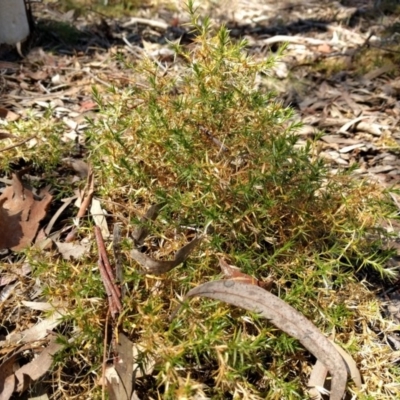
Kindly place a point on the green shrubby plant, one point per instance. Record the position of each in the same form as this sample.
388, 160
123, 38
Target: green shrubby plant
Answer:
221, 154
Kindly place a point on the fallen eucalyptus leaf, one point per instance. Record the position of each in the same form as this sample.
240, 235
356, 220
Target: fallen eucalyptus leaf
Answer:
319, 373
35, 369
120, 382
140, 233
255, 299
351, 365
317, 380
36, 332
161, 267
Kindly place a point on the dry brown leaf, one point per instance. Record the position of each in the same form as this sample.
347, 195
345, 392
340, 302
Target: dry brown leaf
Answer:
161, 267
39, 75
16, 272
36, 332
35, 369
317, 380
232, 272
324, 48
12, 116
20, 214
78, 165
351, 365
99, 218
7, 377
3, 113
5, 135
140, 233
286, 318
120, 386
7, 387
72, 249
349, 124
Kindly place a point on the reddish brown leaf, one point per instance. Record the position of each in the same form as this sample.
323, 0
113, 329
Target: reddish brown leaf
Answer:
7, 377
20, 214
3, 113
88, 105
232, 272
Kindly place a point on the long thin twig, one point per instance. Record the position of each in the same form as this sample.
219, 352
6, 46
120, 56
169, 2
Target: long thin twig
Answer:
104, 258
113, 292
84, 204
104, 357
17, 144
119, 274
108, 287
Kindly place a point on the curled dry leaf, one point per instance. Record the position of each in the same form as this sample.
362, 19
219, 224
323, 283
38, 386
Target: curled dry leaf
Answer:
155, 266
161, 267
350, 364
232, 272
255, 299
20, 213
319, 373
140, 233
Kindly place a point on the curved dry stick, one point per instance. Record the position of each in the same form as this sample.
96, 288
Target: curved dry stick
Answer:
286, 318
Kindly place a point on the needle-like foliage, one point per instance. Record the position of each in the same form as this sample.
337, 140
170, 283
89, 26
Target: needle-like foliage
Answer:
202, 138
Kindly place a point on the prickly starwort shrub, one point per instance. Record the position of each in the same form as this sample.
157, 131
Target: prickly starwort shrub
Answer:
221, 155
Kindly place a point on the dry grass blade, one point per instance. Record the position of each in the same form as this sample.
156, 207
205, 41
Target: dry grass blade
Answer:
286, 318
161, 267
